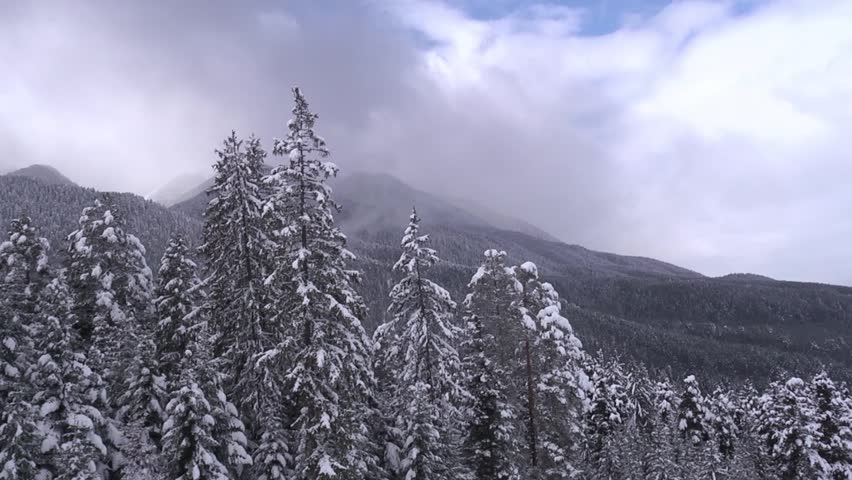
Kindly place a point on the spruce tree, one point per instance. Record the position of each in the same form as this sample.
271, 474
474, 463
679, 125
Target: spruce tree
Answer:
420, 364
23, 274
330, 382
111, 286
179, 301
79, 439
491, 442
784, 425
552, 358
202, 432
608, 408
238, 251
832, 414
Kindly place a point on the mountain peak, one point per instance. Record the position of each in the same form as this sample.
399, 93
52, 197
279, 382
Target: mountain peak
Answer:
43, 173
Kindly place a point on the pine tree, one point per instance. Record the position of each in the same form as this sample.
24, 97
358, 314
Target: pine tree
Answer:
552, 358
79, 440
179, 300
23, 274
331, 383
238, 250
785, 428
420, 364
202, 431
111, 285
833, 433
491, 443
608, 409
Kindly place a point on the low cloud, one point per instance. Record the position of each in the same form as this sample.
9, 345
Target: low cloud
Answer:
708, 134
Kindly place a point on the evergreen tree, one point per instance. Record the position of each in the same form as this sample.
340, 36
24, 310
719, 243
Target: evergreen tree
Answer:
491, 443
331, 382
420, 364
111, 286
608, 408
238, 250
202, 432
784, 426
23, 273
552, 357
833, 433
79, 440
179, 299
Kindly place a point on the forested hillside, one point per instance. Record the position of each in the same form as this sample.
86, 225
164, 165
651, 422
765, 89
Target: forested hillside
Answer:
280, 354
57, 208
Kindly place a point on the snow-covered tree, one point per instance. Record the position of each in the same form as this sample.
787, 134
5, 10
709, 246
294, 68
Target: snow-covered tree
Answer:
238, 251
832, 415
112, 287
491, 442
330, 382
179, 300
23, 273
692, 416
203, 435
785, 428
552, 358
419, 363
608, 408
78, 439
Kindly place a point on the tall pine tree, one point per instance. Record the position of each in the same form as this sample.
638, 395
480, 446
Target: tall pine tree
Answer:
331, 383
553, 378
491, 442
420, 364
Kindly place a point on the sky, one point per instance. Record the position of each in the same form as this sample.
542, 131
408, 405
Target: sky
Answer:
713, 135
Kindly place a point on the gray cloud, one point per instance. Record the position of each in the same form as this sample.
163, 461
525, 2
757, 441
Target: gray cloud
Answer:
681, 136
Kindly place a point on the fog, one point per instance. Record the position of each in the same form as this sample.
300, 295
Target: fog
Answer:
713, 135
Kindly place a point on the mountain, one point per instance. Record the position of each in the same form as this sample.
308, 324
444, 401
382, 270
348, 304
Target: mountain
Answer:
670, 318
44, 173
55, 209
176, 190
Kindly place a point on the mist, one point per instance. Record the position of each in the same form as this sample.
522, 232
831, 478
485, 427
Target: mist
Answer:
707, 134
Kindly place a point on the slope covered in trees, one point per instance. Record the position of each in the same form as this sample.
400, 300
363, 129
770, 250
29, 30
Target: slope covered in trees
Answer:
265, 370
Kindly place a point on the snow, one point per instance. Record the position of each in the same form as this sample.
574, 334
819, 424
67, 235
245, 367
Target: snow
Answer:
49, 442
80, 421
325, 467
530, 268
49, 407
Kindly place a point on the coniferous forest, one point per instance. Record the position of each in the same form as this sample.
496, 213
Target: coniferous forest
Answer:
247, 357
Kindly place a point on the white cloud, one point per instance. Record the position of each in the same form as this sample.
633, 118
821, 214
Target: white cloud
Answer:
723, 134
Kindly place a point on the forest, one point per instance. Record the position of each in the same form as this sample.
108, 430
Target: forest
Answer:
248, 357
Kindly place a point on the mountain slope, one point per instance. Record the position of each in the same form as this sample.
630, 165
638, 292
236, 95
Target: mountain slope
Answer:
44, 173
55, 209
726, 328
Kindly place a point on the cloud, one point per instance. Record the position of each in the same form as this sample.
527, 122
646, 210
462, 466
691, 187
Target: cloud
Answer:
708, 134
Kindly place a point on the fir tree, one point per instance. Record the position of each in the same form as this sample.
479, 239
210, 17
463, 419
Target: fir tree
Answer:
111, 285
238, 251
832, 415
23, 273
331, 382
420, 364
179, 299
552, 358
79, 440
491, 441
202, 432
608, 408
784, 427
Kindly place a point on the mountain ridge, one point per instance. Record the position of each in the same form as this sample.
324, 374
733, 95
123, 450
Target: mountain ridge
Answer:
737, 326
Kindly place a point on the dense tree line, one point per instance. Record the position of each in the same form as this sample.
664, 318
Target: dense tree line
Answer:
264, 369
